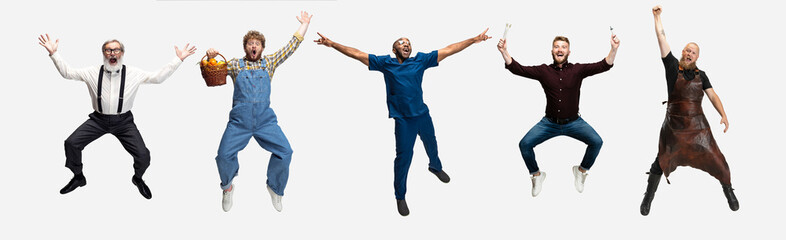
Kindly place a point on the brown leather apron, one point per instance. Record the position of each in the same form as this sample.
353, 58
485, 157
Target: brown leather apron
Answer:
685, 137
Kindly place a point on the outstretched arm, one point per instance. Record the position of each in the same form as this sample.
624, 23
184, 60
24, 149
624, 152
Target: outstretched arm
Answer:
457, 47
169, 68
664, 46
278, 57
304, 20
349, 51
615, 43
716, 102
502, 46
62, 67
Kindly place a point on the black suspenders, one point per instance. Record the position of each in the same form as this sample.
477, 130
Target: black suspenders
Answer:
122, 89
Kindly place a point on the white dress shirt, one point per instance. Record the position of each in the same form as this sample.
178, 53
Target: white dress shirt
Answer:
110, 92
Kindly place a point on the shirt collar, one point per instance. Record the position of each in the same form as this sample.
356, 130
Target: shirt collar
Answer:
115, 71
564, 66
249, 61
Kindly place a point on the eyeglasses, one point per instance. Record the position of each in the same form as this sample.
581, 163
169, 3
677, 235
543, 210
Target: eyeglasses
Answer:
401, 42
113, 50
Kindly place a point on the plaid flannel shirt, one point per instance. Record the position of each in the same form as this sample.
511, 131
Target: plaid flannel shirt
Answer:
271, 61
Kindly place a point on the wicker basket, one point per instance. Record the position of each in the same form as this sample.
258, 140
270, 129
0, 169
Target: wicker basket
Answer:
214, 75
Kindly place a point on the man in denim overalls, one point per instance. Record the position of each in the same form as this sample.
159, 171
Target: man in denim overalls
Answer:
251, 114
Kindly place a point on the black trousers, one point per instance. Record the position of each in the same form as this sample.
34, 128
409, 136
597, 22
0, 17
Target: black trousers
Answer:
122, 126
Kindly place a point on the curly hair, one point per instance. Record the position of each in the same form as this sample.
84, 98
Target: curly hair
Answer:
253, 35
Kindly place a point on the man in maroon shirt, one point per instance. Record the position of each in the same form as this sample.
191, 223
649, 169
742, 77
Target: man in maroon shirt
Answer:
561, 81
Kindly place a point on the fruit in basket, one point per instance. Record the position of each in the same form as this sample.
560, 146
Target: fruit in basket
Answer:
221, 63
213, 62
204, 63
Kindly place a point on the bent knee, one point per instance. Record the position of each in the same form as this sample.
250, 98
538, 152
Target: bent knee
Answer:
596, 141
526, 144
71, 143
287, 152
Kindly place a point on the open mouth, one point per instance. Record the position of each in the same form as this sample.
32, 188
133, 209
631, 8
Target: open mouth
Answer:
112, 60
253, 52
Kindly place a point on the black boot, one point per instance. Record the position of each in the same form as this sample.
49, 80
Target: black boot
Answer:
652, 186
729, 193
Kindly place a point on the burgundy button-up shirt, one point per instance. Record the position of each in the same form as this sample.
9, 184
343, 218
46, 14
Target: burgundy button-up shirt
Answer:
561, 85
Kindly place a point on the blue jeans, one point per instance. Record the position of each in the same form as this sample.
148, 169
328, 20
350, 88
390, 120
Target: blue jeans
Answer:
545, 130
406, 130
257, 120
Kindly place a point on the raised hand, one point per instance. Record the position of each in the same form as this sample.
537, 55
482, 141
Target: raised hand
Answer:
615, 42
323, 41
304, 17
50, 46
482, 36
657, 10
502, 46
183, 54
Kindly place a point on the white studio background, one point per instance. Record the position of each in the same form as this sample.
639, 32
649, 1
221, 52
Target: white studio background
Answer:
333, 112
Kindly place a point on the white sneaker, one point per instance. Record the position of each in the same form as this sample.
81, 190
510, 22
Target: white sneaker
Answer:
579, 178
226, 200
537, 183
276, 199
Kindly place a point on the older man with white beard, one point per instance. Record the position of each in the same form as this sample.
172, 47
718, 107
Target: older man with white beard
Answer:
112, 88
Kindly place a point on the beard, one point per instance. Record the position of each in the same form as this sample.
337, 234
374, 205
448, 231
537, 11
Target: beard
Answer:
686, 66
109, 67
565, 59
253, 55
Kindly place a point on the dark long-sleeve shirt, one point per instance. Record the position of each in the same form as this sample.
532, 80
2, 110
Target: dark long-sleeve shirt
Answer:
561, 85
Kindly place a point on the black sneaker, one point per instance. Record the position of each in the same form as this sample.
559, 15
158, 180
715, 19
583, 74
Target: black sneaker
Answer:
402, 207
441, 175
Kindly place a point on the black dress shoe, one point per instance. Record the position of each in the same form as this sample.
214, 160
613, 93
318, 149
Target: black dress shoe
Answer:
77, 181
143, 189
441, 175
402, 207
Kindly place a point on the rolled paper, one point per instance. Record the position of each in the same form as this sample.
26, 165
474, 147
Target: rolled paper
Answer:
507, 26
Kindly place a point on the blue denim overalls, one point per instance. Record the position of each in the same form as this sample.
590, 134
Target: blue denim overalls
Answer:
251, 115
